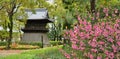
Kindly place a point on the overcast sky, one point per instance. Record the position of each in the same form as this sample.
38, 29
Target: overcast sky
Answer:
50, 1
0, 28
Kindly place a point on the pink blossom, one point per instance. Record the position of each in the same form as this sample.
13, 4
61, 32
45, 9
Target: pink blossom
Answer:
111, 55
98, 57
80, 21
94, 39
87, 36
98, 14
72, 34
93, 44
82, 43
101, 42
110, 40
76, 30
102, 38
106, 52
88, 27
81, 48
106, 14
91, 32
94, 50
102, 23
95, 26
102, 48
116, 25
116, 10
73, 42
84, 22
105, 10
66, 32
118, 20
96, 33
118, 31
113, 15
117, 37
114, 48
75, 58
93, 18
91, 56
118, 43
78, 17
74, 46
105, 33
106, 58
81, 34
67, 55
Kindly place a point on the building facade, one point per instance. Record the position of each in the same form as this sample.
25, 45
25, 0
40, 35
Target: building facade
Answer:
35, 28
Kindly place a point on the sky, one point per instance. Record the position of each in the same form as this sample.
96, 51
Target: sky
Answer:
1, 28
50, 1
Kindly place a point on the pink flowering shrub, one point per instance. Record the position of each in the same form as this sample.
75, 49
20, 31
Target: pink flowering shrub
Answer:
98, 41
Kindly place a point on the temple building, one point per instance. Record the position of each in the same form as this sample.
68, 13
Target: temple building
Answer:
35, 28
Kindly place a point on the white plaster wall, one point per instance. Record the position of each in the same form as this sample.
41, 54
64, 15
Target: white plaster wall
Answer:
35, 37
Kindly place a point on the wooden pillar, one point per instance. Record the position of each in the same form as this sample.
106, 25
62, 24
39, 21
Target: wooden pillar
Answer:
42, 41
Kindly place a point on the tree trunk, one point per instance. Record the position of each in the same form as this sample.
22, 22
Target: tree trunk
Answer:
54, 32
42, 42
92, 5
10, 25
60, 38
93, 10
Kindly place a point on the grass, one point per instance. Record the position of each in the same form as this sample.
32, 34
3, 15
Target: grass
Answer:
45, 53
20, 47
23, 47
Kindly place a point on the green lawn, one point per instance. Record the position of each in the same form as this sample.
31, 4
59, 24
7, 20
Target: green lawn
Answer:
45, 53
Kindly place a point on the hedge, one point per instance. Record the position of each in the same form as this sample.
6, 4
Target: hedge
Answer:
54, 43
31, 43
3, 43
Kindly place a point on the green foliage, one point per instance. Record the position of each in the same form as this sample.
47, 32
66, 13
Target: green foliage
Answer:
55, 43
3, 34
2, 43
77, 6
31, 43
69, 20
107, 3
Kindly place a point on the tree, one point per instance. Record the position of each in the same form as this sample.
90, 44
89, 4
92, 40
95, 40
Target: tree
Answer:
11, 9
3, 35
56, 28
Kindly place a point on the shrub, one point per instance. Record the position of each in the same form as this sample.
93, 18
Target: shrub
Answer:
95, 41
31, 43
3, 43
54, 43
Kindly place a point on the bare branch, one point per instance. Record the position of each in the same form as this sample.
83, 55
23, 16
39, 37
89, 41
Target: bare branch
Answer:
12, 8
1, 8
17, 7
